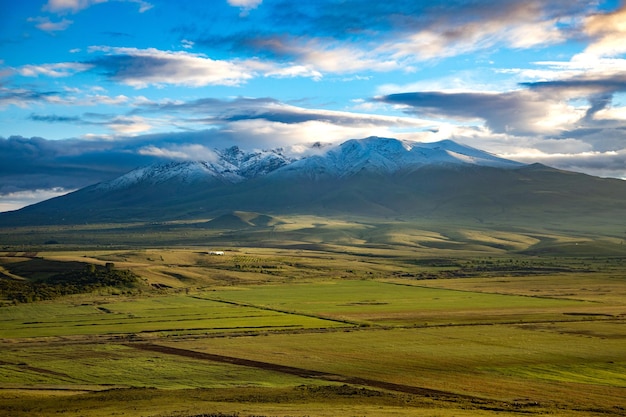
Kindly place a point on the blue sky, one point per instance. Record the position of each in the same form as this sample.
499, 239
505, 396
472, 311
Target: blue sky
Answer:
90, 89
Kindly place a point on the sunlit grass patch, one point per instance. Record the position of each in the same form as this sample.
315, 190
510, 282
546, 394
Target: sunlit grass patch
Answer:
167, 314
607, 373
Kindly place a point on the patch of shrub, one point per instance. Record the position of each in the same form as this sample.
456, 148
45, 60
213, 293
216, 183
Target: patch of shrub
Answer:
92, 278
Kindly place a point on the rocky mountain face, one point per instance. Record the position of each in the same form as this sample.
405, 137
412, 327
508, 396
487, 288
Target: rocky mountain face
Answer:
374, 177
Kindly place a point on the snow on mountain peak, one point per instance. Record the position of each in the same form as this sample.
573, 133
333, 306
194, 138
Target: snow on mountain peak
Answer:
372, 154
386, 155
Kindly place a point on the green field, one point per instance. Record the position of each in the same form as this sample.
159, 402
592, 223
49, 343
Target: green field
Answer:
158, 315
412, 326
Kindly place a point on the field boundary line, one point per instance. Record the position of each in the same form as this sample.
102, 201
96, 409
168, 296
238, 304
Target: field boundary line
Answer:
545, 297
277, 310
305, 373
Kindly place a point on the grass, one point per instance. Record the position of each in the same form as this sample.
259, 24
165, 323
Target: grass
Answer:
609, 373
163, 315
327, 401
380, 303
460, 311
116, 366
414, 356
497, 361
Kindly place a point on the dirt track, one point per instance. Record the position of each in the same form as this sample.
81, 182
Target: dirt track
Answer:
305, 373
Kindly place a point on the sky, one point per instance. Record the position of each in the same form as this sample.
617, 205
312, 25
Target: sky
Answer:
91, 89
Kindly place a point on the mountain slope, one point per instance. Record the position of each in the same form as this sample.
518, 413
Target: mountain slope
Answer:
387, 156
373, 177
230, 165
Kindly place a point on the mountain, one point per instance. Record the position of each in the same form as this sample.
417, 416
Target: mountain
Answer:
373, 154
388, 156
229, 165
372, 177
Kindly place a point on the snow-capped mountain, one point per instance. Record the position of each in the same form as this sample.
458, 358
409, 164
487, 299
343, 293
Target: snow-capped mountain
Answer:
373, 154
375, 177
229, 165
385, 156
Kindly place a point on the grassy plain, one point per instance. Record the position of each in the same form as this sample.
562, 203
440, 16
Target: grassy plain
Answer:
319, 318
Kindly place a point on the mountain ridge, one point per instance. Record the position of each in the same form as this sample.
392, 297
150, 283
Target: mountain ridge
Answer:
376, 154
375, 177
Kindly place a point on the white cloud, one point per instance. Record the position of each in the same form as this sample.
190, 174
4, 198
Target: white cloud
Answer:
187, 44
187, 152
97, 99
582, 66
129, 125
74, 6
342, 59
330, 56
45, 24
603, 164
611, 113
61, 69
23, 98
141, 68
64, 6
608, 32
518, 112
144, 6
19, 199
460, 82
260, 133
270, 69
514, 24
245, 5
